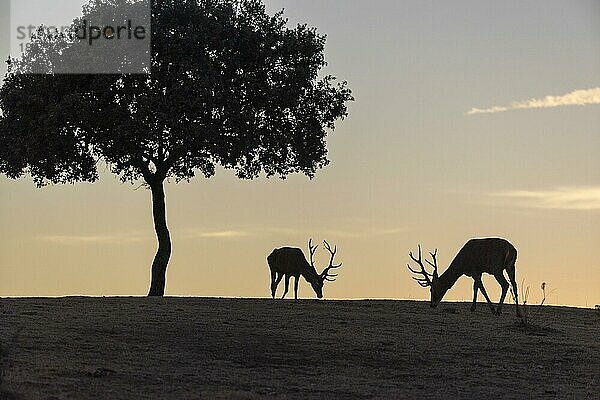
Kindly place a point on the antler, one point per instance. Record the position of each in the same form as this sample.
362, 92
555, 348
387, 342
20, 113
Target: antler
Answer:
325, 274
434, 265
312, 249
425, 281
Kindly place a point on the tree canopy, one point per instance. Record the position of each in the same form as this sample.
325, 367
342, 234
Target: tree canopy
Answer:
228, 85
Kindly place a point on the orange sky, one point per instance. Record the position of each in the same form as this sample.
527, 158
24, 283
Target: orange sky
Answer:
452, 136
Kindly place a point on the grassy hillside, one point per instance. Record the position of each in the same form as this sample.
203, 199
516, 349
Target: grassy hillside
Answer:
175, 348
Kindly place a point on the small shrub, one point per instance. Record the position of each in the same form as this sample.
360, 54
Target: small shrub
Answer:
529, 313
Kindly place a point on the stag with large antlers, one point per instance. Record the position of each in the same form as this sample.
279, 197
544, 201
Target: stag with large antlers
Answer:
290, 262
478, 256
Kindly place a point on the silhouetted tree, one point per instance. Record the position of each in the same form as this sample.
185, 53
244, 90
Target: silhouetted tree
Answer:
229, 85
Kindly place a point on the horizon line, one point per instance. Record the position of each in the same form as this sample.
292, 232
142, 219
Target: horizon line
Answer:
339, 299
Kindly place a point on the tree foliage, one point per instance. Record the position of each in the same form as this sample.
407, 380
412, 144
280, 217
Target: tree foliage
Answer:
228, 85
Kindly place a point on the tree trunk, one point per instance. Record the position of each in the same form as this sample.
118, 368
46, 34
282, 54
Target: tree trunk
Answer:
161, 260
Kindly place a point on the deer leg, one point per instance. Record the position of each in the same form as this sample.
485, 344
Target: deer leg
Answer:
475, 290
296, 287
287, 286
274, 288
504, 283
511, 275
480, 284
273, 284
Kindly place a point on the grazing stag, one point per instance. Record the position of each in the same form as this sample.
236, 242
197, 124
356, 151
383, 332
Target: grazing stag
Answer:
491, 256
289, 261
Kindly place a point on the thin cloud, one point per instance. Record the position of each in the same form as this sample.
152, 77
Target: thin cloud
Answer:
281, 231
392, 231
363, 233
275, 231
73, 240
573, 198
198, 233
194, 234
228, 234
581, 97
136, 237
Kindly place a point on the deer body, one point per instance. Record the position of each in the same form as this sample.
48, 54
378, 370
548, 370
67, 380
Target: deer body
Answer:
478, 256
290, 262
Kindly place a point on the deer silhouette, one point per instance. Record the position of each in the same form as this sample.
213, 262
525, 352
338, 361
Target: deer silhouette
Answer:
478, 256
290, 262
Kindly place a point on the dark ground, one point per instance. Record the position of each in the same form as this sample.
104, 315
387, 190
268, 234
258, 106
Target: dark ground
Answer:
176, 348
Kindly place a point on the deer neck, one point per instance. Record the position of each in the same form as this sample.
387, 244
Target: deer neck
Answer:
310, 273
450, 276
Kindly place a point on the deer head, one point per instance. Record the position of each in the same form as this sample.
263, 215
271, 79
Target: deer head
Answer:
325, 276
427, 279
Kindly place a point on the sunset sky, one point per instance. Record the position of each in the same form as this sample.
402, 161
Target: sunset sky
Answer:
471, 119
